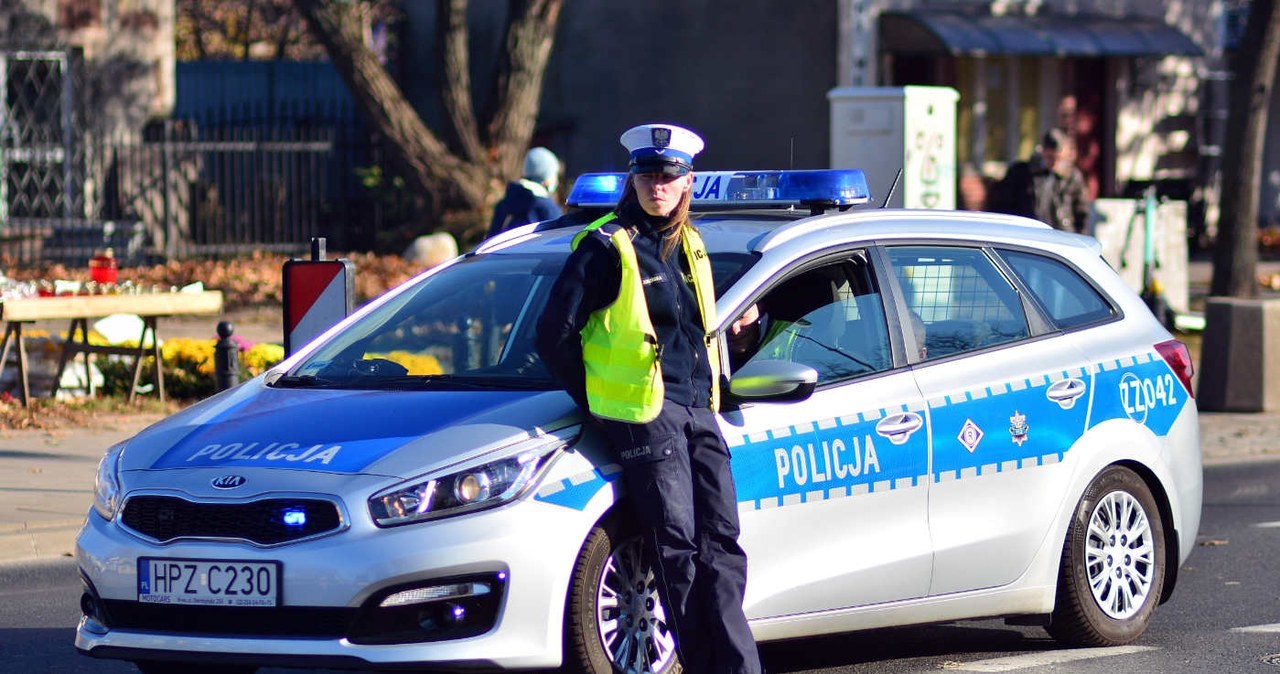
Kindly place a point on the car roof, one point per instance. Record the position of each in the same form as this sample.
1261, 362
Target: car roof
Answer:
763, 230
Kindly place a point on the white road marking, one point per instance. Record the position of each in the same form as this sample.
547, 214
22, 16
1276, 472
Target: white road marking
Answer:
1016, 662
1268, 525
1259, 629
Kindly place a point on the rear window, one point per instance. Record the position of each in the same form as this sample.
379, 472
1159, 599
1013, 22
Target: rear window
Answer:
1068, 298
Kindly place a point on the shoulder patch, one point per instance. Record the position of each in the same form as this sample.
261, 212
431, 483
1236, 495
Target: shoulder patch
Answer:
601, 235
605, 232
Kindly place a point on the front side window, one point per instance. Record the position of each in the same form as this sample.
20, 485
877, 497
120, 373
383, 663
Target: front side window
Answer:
830, 318
1069, 299
958, 298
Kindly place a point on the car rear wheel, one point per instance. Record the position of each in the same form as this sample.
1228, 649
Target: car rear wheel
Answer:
615, 621
1113, 563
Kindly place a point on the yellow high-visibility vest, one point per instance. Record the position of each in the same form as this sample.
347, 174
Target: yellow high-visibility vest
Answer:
620, 346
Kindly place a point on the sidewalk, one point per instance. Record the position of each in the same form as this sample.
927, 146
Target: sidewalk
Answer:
46, 477
46, 484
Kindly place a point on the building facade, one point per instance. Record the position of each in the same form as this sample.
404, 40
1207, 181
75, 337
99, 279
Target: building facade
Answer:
1140, 84
128, 43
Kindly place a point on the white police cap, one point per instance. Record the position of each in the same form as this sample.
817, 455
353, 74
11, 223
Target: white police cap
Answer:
661, 148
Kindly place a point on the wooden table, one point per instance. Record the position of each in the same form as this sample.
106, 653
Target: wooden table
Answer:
80, 308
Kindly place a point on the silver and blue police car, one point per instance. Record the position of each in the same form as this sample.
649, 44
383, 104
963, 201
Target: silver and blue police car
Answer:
945, 415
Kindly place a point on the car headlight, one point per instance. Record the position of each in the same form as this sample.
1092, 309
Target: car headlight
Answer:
475, 488
106, 486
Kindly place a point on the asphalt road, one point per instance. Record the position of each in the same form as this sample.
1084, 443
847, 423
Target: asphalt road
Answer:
1224, 616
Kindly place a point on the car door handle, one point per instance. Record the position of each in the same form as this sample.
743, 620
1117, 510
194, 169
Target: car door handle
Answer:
899, 427
1065, 392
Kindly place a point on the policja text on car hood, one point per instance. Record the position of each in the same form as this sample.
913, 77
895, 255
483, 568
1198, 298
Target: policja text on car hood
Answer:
393, 433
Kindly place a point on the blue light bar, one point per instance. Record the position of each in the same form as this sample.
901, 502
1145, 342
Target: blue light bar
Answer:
598, 189
741, 189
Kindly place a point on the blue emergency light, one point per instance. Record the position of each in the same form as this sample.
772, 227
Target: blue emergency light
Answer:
825, 188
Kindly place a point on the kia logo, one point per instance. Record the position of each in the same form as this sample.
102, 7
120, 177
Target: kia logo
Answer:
228, 481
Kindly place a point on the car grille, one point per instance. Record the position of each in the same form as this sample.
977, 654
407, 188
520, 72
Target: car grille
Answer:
165, 518
310, 622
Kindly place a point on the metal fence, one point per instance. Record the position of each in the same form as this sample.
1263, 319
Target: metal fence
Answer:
260, 177
170, 193
230, 97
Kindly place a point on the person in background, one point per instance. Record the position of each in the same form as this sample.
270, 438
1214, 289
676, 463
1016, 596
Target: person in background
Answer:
1048, 186
625, 331
529, 198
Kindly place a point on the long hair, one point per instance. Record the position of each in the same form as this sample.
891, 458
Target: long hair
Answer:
673, 227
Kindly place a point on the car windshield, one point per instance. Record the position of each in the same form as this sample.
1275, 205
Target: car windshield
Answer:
471, 326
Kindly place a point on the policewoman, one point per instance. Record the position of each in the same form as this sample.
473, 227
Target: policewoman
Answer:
625, 331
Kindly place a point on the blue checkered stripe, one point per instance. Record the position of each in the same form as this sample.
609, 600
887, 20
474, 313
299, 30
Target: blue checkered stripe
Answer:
578, 489
827, 459
1143, 389
1018, 426
1006, 426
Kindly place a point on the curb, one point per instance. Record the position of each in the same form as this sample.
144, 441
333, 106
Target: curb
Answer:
32, 541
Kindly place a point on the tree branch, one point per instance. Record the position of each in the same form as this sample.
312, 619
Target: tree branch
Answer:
1235, 256
455, 82
421, 157
530, 36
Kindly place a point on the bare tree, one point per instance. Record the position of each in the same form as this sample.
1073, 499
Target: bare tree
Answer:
1235, 256
256, 29
23, 28
489, 147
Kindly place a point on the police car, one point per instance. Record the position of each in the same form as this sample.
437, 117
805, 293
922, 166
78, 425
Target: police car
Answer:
947, 415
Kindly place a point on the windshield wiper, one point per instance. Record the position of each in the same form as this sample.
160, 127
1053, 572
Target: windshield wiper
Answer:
304, 381
510, 382
454, 382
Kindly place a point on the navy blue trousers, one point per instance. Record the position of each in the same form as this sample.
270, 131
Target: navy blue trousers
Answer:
676, 470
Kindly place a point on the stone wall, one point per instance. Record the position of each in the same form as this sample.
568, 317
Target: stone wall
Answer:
128, 46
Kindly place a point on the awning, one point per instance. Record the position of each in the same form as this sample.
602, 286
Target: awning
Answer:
933, 32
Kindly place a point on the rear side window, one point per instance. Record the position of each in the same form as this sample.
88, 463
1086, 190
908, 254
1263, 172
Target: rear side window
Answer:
959, 299
1069, 299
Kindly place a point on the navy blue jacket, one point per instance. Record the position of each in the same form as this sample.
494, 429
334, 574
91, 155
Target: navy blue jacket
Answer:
590, 281
520, 206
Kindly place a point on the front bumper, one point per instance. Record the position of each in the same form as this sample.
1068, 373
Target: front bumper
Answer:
531, 546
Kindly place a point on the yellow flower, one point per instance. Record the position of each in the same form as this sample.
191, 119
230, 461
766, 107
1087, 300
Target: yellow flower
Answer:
189, 354
415, 363
261, 357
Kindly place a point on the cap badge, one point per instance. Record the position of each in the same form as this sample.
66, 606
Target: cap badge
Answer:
661, 136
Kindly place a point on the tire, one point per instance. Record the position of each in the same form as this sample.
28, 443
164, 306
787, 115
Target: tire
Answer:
615, 622
1113, 563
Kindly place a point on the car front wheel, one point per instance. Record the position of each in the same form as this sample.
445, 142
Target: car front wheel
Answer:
616, 622
1113, 563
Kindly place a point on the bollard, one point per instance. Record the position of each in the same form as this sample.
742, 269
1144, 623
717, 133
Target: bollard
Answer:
226, 358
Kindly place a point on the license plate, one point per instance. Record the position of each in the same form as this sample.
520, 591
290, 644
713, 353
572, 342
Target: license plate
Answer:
208, 582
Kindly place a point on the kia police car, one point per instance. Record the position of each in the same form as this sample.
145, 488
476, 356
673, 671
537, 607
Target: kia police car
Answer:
947, 415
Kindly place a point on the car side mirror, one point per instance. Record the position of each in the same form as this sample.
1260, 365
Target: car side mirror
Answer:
773, 381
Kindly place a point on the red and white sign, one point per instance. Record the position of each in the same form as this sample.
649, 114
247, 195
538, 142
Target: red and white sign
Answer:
317, 294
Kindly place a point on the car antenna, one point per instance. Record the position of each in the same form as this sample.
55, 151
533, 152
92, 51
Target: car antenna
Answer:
897, 176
